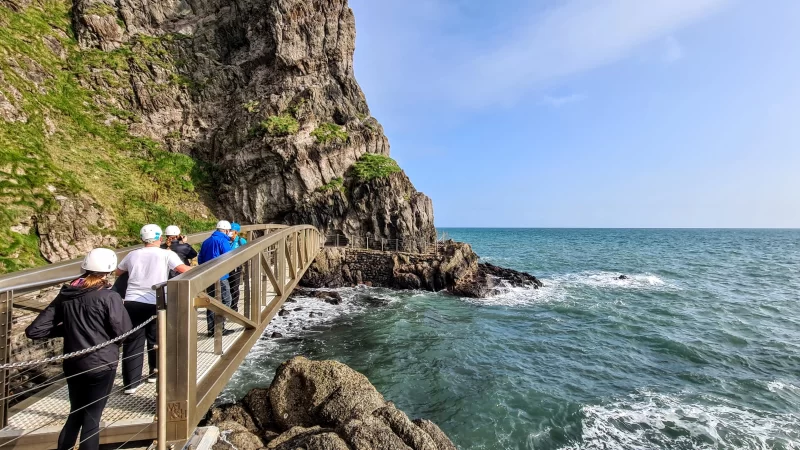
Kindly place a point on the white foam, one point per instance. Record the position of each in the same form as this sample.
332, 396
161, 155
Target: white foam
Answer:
777, 386
507, 295
649, 420
602, 279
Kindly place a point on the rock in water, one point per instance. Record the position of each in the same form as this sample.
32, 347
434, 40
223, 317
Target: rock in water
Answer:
322, 405
623, 277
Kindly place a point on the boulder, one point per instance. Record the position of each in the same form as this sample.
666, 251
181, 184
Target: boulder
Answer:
322, 405
306, 393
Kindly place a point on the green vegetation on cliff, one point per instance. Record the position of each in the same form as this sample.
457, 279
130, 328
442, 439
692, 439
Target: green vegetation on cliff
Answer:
282, 125
59, 138
336, 184
330, 132
371, 166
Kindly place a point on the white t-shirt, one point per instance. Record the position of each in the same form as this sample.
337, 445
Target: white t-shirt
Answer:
147, 267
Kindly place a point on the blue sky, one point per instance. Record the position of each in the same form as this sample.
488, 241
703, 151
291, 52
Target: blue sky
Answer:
590, 113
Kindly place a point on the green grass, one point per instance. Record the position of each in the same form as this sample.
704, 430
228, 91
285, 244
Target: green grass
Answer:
330, 132
282, 125
101, 9
336, 184
372, 166
67, 143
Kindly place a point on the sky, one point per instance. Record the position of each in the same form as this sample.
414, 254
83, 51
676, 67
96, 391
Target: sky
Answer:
590, 113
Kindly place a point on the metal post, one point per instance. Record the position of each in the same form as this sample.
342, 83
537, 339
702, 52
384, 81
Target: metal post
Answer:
255, 288
6, 313
161, 392
382, 242
219, 319
337, 240
245, 274
181, 372
367, 238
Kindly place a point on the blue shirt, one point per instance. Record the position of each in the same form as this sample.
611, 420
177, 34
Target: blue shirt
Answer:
218, 244
238, 241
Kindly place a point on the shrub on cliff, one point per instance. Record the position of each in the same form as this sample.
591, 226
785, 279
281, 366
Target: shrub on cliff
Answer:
282, 125
330, 132
336, 184
371, 166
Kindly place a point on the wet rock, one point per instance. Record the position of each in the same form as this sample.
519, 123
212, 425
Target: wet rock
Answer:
622, 277
283, 312
325, 405
276, 335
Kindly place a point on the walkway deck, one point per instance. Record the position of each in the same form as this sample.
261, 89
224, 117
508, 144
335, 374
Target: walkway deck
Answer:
41, 422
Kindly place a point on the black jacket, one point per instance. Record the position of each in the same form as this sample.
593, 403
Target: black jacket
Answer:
185, 251
85, 318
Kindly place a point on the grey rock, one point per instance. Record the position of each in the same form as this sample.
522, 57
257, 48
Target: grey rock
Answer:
439, 438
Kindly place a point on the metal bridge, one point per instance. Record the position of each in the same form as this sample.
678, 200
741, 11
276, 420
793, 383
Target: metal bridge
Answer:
193, 366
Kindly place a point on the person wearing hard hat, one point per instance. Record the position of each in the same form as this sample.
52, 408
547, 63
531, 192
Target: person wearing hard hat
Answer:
146, 267
235, 279
86, 313
217, 244
175, 242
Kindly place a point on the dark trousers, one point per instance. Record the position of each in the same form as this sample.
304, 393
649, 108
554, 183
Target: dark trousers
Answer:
235, 281
226, 300
88, 394
132, 366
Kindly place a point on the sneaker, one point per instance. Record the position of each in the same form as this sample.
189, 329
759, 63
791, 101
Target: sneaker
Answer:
152, 378
227, 332
131, 391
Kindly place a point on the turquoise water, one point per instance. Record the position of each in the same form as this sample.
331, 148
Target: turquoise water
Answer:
700, 348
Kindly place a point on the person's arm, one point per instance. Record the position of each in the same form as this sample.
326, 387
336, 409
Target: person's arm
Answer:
242, 241
47, 324
117, 319
122, 267
174, 262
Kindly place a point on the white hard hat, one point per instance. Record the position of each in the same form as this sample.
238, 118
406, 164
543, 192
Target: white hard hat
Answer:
172, 230
223, 225
150, 232
100, 260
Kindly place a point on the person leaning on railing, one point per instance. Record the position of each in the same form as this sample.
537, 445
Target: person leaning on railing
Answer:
216, 245
86, 313
146, 267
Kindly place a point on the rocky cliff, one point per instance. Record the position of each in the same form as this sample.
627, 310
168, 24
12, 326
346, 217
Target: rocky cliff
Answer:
116, 113
321, 405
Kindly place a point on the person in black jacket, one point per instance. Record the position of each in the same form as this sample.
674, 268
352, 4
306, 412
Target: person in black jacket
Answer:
86, 313
176, 242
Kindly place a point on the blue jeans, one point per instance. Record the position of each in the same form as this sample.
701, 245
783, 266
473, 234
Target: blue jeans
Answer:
226, 300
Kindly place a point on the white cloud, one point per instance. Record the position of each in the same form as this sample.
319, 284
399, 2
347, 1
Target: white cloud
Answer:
562, 100
673, 50
578, 36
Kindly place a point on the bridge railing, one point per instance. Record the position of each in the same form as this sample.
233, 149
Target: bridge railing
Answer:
195, 367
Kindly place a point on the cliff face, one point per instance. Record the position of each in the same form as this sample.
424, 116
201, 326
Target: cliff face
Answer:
247, 110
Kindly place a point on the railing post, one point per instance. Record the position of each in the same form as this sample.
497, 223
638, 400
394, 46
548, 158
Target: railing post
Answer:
280, 265
245, 275
181, 370
255, 288
6, 313
299, 252
161, 391
219, 320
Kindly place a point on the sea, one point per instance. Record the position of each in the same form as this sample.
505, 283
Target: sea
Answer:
698, 348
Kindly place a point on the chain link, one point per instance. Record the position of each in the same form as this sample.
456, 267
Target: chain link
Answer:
17, 365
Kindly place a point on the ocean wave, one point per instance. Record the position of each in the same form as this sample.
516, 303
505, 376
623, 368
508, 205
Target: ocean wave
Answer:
648, 420
507, 295
602, 279
778, 386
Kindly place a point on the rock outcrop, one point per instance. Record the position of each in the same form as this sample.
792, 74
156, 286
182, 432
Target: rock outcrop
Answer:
257, 98
322, 405
453, 267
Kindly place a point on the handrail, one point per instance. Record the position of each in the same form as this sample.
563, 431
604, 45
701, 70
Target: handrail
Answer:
36, 278
188, 397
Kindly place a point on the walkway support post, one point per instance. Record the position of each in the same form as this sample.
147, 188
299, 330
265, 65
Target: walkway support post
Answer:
161, 397
181, 369
6, 313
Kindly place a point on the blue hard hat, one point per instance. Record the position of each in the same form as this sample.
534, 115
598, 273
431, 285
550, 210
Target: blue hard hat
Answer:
236, 227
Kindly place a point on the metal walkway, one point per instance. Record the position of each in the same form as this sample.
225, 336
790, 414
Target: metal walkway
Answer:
196, 366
